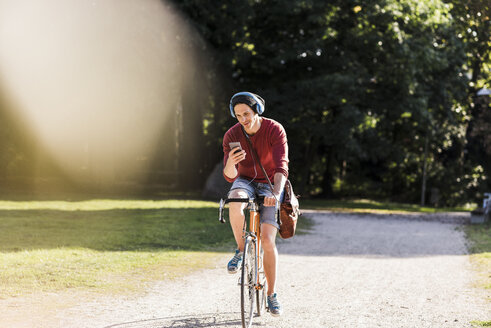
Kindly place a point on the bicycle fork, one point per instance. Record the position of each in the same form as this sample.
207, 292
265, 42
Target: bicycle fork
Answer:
255, 234
255, 226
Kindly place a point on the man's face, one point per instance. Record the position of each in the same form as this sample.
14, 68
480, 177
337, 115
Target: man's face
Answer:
246, 116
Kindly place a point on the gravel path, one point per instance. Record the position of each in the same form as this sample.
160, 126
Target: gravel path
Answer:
360, 270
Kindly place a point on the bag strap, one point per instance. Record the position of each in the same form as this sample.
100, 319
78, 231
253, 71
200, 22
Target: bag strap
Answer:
256, 157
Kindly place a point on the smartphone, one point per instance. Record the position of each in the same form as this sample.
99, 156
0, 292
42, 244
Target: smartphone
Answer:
234, 145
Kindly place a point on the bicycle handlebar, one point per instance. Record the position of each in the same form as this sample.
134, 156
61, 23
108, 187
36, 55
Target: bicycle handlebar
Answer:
244, 200
223, 202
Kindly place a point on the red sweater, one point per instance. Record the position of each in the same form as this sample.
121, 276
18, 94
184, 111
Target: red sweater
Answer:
271, 146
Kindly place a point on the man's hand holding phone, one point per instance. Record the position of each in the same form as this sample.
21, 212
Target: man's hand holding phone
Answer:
237, 154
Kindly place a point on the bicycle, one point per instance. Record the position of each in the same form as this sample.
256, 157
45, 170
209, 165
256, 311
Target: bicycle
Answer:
253, 284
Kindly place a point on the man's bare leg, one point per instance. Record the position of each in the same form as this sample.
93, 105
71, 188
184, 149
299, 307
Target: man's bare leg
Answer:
236, 215
270, 260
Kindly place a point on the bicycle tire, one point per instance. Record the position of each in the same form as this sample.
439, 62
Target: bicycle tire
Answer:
261, 293
247, 287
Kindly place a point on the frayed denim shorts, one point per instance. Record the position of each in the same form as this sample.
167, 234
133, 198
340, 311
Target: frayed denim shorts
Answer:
254, 189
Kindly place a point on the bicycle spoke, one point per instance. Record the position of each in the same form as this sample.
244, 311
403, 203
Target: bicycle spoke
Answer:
248, 290
261, 293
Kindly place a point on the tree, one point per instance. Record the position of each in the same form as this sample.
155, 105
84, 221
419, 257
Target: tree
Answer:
473, 23
361, 86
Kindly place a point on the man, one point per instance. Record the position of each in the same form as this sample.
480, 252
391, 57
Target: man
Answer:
268, 138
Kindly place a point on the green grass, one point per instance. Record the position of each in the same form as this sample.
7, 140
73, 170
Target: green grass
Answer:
479, 236
104, 245
304, 225
481, 323
370, 206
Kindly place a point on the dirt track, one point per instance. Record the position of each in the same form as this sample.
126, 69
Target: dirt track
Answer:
350, 271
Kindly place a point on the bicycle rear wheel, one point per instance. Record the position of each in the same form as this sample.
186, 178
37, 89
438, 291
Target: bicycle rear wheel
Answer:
247, 287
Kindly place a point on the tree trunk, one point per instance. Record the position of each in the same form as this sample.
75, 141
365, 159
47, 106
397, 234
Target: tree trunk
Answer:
328, 178
307, 160
425, 158
190, 151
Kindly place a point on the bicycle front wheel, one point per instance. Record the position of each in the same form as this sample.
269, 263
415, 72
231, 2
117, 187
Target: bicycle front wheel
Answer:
263, 284
247, 284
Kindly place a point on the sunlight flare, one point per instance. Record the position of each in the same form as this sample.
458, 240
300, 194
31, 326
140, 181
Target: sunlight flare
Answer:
94, 81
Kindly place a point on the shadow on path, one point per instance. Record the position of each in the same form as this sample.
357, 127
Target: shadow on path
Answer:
229, 319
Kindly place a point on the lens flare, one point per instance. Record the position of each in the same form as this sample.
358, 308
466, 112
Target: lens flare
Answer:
95, 81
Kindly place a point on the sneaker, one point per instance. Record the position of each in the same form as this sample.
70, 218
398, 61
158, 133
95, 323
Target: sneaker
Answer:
274, 306
234, 264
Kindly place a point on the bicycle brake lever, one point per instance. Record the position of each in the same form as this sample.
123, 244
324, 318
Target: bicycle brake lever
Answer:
220, 211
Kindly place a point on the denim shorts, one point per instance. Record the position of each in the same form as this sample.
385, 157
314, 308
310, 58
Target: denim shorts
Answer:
254, 189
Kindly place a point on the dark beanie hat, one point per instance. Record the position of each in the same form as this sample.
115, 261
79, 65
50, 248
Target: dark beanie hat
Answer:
248, 100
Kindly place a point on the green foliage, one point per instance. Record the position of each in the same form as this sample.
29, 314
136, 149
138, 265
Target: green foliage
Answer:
370, 92
361, 87
472, 23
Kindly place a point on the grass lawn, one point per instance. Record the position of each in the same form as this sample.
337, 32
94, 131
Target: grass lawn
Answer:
479, 236
104, 245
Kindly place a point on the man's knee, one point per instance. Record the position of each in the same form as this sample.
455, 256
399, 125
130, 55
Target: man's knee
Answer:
237, 207
268, 242
238, 193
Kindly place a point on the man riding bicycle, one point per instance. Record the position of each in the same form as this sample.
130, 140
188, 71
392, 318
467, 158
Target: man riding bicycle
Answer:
268, 138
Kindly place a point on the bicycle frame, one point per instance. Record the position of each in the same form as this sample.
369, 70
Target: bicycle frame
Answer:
254, 233
254, 226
